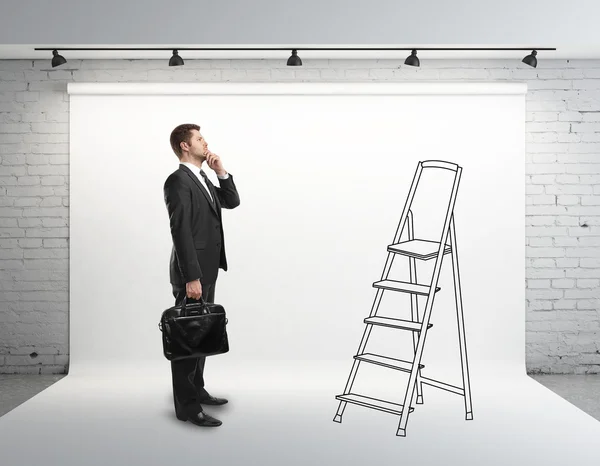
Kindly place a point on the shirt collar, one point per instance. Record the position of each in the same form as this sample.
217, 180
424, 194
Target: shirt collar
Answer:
192, 167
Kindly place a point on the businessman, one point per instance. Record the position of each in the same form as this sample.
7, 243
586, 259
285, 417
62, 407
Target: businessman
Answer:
194, 206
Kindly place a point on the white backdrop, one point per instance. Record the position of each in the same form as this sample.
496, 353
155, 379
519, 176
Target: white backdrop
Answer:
323, 171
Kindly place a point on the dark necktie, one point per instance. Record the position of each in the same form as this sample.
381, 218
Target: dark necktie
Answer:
212, 194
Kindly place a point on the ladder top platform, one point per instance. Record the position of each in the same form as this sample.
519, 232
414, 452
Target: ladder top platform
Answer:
418, 248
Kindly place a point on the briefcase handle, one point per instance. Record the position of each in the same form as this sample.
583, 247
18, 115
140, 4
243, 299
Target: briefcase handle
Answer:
202, 303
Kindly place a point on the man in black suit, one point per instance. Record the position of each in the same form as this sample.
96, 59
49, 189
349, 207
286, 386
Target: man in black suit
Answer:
194, 206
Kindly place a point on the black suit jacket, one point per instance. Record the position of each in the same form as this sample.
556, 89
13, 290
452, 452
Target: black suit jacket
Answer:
196, 227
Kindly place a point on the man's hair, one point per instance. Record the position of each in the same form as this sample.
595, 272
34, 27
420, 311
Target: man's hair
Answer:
182, 133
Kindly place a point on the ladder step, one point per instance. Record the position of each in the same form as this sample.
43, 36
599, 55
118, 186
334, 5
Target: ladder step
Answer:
395, 323
418, 248
404, 287
392, 363
381, 405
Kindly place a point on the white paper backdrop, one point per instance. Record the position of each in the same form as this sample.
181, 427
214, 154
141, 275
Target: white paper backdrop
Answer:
323, 171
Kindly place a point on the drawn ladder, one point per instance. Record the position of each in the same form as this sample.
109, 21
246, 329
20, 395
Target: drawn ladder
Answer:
414, 249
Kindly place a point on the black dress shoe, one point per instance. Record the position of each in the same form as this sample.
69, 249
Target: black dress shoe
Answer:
201, 419
211, 400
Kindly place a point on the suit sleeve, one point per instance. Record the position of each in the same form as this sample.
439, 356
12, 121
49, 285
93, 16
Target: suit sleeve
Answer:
179, 204
227, 193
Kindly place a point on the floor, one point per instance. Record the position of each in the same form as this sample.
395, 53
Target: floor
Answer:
16, 389
283, 414
582, 391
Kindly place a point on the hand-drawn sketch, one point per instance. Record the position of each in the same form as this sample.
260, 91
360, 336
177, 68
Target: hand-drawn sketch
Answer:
423, 250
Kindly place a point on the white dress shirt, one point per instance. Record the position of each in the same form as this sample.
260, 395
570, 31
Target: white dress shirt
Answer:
196, 172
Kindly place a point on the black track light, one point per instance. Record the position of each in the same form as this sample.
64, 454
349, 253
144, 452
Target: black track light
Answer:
175, 60
57, 59
294, 59
412, 59
530, 59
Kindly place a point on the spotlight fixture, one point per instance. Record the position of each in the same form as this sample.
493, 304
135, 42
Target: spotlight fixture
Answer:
57, 59
412, 59
175, 60
294, 59
530, 59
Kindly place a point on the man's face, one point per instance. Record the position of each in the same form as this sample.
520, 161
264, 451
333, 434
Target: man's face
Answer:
198, 146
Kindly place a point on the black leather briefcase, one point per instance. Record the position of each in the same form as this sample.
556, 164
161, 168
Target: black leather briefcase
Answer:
193, 330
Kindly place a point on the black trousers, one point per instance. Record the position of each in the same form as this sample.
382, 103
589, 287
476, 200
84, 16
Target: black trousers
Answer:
188, 374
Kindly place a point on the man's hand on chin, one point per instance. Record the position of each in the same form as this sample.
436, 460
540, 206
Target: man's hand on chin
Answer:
214, 163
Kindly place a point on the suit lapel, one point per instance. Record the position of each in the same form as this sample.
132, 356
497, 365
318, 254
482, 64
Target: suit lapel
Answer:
204, 192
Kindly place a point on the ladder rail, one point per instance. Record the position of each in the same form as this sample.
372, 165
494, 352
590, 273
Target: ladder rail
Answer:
462, 342
408, 397
414, 302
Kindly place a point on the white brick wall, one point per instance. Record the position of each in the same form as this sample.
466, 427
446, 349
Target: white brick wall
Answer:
563, 181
